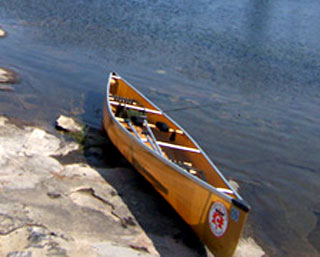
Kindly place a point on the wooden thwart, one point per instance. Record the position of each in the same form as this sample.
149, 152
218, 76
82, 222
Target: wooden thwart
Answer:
179, 147
225, 190
134, 107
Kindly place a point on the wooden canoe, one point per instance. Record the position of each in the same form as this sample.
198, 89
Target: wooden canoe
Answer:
175, 165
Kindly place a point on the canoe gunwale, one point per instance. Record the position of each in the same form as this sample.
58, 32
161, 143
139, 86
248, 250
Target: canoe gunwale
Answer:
165, 160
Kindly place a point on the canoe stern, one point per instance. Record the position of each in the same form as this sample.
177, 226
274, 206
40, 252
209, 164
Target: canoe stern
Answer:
222, 225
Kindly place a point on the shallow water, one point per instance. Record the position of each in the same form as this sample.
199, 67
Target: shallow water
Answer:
246, 74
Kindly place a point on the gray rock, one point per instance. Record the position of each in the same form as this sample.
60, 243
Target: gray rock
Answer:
50, 209
235, 185
2, 33
8, 76
68, 124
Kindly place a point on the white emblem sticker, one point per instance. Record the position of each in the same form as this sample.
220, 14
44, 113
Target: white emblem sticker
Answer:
218, 219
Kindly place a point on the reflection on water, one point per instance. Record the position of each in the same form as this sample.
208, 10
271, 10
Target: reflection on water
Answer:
251, 69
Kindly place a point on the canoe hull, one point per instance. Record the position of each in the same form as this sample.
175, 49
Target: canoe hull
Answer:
216, 220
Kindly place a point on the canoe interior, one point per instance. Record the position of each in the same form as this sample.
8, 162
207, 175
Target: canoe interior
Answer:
190, 157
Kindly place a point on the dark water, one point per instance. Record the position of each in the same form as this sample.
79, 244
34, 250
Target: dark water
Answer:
251, 69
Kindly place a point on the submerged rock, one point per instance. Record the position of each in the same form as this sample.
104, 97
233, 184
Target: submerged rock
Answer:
234, 184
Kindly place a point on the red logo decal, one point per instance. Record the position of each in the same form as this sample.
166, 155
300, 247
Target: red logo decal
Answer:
218, 219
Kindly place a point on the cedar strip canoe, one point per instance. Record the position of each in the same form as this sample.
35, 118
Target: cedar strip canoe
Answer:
175, 165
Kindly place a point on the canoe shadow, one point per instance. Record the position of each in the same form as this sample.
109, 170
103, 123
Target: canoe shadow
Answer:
170, 235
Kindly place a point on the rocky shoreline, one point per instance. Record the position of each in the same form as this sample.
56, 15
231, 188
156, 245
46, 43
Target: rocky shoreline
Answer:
50, 209
62, 198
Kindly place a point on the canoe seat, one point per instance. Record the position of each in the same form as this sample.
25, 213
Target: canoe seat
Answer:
134, 107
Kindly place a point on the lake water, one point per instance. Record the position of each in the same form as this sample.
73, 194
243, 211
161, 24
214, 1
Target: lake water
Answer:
246, 73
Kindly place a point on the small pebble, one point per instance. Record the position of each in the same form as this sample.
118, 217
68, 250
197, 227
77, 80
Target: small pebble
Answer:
53, 195
235, 185
162, 72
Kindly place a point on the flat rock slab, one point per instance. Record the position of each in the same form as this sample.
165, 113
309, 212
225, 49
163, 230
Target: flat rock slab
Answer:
50, 209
